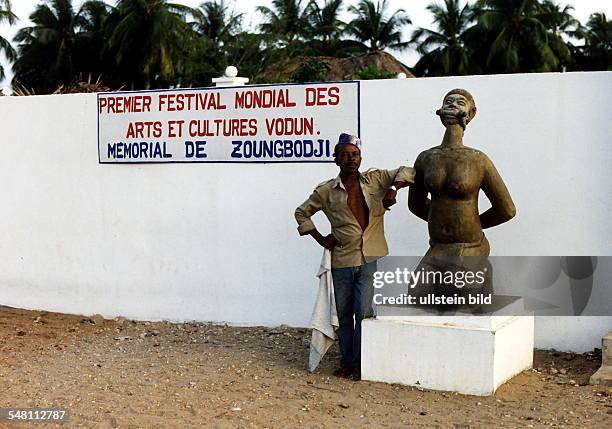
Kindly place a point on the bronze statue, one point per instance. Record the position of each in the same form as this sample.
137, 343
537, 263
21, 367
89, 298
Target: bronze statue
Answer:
453, 174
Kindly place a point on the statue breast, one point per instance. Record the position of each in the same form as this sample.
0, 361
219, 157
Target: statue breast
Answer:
453, 174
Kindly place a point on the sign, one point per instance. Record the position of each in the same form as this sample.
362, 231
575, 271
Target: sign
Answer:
266, 123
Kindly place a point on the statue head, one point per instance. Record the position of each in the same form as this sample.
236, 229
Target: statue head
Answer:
458, 107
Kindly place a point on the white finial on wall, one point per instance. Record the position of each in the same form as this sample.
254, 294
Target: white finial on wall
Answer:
231, 71
230, 78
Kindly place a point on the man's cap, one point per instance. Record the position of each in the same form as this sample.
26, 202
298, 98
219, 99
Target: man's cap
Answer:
349, 139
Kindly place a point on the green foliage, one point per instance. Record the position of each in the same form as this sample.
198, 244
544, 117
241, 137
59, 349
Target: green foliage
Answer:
327, 29
215, 25
247, 52
517, 37
139, 44
372, 25
444, 51
47, 50
372, 72
151, 41
313, 70
596, 54
287, 20
216, 22
6, 15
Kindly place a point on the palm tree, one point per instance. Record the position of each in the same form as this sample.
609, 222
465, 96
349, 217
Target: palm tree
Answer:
215, 26
443, 51
516, 38
325, 21
150, 41
93, 33
372, 25
217, 22
327, 30
46, 50
287, 20
248, 51
6, 15
559, 19
560, 22
596, 54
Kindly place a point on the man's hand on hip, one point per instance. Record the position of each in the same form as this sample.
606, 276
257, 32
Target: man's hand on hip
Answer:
329, 242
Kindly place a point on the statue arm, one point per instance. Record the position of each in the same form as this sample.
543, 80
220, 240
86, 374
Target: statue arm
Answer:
418, 203
502, 207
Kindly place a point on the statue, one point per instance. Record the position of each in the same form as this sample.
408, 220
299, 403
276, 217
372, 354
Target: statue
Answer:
454, 174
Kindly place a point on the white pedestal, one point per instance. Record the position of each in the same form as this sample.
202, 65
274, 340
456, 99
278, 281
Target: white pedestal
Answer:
466, 354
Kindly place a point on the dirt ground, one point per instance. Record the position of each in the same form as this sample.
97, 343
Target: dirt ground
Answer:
118, 373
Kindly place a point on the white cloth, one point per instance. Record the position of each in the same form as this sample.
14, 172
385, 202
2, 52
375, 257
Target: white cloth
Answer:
324, 317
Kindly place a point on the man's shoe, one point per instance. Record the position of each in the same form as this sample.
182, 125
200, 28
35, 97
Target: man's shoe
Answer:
343, 372
355, 374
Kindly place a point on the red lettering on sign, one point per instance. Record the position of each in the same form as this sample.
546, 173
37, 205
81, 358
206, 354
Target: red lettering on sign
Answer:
144, 130
334, 96
206, 100
222, 127
125, 104
322, 96
263, 99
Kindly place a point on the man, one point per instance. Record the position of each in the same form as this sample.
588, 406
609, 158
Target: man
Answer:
354, 204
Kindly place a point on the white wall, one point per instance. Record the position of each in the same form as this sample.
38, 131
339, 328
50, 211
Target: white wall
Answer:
217, 242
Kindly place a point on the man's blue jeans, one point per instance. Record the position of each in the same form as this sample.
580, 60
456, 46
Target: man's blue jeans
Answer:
354, 291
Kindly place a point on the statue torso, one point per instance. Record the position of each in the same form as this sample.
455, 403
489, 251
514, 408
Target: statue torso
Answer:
453, 178
453, 173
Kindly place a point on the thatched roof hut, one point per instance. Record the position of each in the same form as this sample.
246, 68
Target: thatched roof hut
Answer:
336, 69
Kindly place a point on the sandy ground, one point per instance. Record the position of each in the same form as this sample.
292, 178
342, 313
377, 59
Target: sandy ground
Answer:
118, 373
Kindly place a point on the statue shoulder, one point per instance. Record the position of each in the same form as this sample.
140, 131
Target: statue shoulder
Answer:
480, 155
431, 151
475, 151
427, 153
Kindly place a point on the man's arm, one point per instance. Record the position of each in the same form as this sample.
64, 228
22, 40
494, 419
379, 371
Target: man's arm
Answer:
328, 241
393, 180
303, 216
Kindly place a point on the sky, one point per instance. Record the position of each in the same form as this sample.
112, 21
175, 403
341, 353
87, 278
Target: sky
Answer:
414, 8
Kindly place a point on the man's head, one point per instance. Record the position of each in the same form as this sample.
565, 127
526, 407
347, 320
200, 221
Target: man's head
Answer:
347, 153
458, 107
